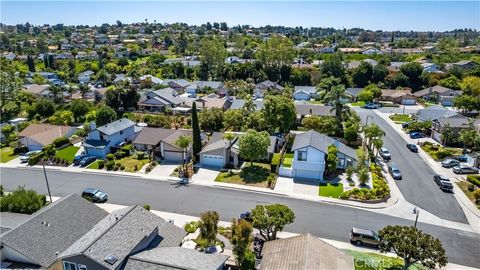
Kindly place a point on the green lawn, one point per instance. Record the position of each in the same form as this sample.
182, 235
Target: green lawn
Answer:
439, 153
256, 175
358, 104
400, 118
6, 154
374, 261
315, 102
93, 165
68, 153
287, 160
330, 190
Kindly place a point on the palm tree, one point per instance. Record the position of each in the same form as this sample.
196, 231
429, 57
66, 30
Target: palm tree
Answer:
56, 91
249, 105
229, 137
184, 142
335, 97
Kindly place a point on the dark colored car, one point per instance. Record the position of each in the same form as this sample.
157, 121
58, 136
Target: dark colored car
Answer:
464, 169
95, 195
417, 135
395, 172
450, 162
364, 237
77, 159
211, 250
412, 147
385, 154
461, 158
443, 182
86, 160
246, 216
406, 124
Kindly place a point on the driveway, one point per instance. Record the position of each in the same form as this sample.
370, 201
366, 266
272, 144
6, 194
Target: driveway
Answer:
205, 175
417, 185
164, 169
297, 186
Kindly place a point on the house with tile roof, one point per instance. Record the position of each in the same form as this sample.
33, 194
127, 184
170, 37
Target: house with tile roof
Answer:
37, 136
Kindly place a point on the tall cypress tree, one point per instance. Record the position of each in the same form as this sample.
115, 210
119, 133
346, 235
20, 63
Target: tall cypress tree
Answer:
197, 141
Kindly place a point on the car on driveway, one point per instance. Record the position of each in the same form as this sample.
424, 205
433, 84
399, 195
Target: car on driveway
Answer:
412, 147
461, 158
450, 162
395, 172
86, 160
78, 158
385, 154
464, 169
364, 237
370, 106
25, 157
94, 195
443, 182
416, 135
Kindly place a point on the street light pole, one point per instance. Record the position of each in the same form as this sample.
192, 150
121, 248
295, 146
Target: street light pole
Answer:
417, 212
46, 180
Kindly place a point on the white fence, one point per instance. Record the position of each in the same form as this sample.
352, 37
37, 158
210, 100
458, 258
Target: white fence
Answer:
284, 171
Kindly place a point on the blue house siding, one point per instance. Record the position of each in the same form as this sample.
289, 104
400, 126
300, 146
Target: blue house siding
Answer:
112, 140
97, 152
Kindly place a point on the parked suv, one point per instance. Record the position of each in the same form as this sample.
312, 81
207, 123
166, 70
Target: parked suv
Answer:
95, 195
364, 237
385, 154
443, 182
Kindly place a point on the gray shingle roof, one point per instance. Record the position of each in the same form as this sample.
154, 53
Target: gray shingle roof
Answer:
314, 109
168, 94
119, 233
152, 136
237, 104
211, 84
307, 89
321, 143
434, 112
116, 126
353, 91
455, 122
217, 141
175, 258
68, 220
304, 252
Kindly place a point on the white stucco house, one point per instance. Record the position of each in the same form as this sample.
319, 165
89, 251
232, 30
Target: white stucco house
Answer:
310, 149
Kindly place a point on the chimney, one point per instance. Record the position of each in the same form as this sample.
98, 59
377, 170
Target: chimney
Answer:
93, 126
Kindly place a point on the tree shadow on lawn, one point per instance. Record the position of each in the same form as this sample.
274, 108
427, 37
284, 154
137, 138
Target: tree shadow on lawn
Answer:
254, 174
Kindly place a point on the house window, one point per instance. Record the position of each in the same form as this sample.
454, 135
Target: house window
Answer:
341, 162
302, 156
82, 267
69, 266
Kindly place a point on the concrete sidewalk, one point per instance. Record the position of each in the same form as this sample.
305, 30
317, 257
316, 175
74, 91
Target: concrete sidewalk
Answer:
471, 211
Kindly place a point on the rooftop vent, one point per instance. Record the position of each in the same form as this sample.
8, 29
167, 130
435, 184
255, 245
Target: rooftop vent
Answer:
110, 259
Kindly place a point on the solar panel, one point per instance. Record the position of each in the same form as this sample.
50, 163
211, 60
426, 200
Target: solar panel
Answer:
111, 259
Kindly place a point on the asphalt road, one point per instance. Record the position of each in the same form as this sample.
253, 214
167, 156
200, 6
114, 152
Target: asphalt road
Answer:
324, 220
417, 185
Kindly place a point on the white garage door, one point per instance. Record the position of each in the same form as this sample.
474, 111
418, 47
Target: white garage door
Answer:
307, 174
408, 101
173, 156
212, 160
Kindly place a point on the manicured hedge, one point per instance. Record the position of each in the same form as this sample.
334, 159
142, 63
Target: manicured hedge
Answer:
474, 179
60, 141
33, 160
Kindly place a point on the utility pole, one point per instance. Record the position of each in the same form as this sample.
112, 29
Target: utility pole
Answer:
46, 180
417, 212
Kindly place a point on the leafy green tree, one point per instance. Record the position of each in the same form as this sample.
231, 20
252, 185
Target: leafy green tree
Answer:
451, 82
79, 108
365, 95
377, 92
379, 73
44, 108
448, 136
362, 75
469, 135
213, 54
335, 97
256, 120
413, 246
209, 226
271, 219
351, 131
184, 142
241, 238
332, 159
413, 71
105, 115
233, 120
197, 140
61, 118
396, 80
211, 119
276, 52
254, 145
249, 106
10, 84
334, 67
324, 124
22, 201
279, 112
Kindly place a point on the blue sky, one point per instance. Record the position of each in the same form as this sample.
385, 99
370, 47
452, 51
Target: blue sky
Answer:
376, 15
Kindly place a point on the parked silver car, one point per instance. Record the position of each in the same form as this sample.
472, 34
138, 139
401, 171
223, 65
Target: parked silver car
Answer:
450, 162
25, 157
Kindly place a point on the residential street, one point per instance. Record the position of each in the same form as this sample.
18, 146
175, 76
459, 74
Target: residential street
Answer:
324, 220
417, 185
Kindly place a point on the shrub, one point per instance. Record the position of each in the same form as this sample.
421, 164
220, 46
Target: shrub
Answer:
118, 164
147, 207
1, 190
110, 157
109, 165
101, 164
345, 194
474, 179
140, 155
35, 159
471, 187
122, 167
148, 169
476, 195
22, 201
18, 150
116, 168
119, 154
191, 227
60, 141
